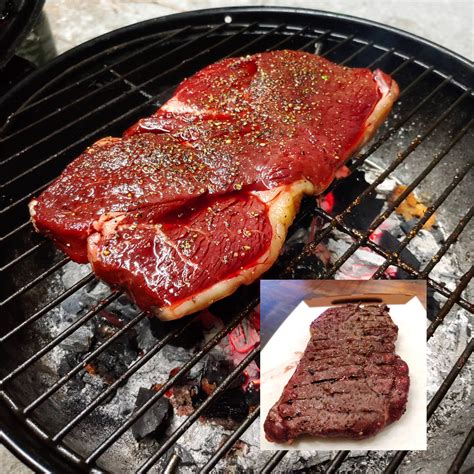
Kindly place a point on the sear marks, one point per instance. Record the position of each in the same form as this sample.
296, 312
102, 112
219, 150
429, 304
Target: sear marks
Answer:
349, 382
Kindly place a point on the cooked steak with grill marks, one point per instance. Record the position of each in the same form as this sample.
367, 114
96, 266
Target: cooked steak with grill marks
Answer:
348, 383
259, 131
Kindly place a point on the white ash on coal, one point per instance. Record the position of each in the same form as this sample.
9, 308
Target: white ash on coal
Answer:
204, 437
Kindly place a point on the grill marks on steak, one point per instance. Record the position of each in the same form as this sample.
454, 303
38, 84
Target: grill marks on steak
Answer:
348, 383
268, 127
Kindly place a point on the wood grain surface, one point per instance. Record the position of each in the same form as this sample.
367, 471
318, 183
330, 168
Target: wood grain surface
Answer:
278, 298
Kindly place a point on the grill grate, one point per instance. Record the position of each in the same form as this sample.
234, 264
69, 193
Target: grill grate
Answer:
105, 85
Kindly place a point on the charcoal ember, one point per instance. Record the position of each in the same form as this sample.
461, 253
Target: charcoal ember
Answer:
155, 421
68, 362
307, 268
124, 309
238, 449
145, 338
232, 405
433, 306
252, 394
72, 273
390, 243
118, 356
124, 304
228, 307
182, 399
187, 340
345, 191
97, 290
79, 341
189, 394
76, 305
115, 360
179, 356
114, 317
216, 369
407, 226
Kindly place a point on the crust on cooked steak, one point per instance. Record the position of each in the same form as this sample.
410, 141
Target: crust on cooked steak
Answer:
349, 382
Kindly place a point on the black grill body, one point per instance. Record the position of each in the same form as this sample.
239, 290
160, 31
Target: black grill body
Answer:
102, 87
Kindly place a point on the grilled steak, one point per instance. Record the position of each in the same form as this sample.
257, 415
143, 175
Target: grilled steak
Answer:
252, 133
349, 381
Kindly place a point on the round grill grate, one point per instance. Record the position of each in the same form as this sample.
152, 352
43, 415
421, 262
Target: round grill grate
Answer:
105, 85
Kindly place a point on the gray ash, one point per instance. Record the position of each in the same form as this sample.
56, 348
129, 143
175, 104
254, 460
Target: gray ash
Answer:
204, 437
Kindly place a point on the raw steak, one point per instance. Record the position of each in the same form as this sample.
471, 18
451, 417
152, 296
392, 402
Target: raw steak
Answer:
259, 131
349, 382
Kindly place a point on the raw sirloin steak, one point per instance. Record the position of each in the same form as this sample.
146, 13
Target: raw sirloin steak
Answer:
349, 382
196, 200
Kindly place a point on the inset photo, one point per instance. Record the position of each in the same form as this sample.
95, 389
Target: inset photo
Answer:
343, 365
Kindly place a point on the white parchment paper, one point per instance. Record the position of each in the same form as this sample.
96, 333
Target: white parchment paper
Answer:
282, 353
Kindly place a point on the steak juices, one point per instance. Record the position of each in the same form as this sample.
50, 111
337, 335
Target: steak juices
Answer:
349, 382
196, 200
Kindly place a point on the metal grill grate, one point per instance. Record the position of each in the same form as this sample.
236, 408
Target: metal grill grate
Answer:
107, 85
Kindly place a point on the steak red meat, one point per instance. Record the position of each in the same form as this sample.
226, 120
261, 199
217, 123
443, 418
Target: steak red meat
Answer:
250, 135
349, 381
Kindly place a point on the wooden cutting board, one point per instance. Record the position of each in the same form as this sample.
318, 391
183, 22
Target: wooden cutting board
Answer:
379, 298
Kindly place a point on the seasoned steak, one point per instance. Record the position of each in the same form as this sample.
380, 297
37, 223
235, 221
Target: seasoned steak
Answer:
349, 382
268, 128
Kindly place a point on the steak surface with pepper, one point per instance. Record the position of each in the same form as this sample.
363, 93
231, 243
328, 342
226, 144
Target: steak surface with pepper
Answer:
250, 135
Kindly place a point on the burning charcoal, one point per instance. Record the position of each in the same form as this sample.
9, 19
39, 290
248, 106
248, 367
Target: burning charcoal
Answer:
69, 361
389, 242
231, 404
215, 371
145, 338
117, 357
187, 340
179, 356
407, 226
433, 306
308, 268
227, 308
252, 393
125, 308
346, 191
97, 290
79, 341
75, 305
113, 317
239, 449
155, 420
115, 360
72, 273
182, 398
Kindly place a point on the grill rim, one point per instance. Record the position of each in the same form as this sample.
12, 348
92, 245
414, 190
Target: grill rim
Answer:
294, 17
447, 60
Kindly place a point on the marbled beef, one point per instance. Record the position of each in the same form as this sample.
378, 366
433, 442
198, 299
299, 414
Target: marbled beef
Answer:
258, 131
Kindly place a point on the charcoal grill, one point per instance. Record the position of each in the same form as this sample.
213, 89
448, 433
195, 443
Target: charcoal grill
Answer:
105, 85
